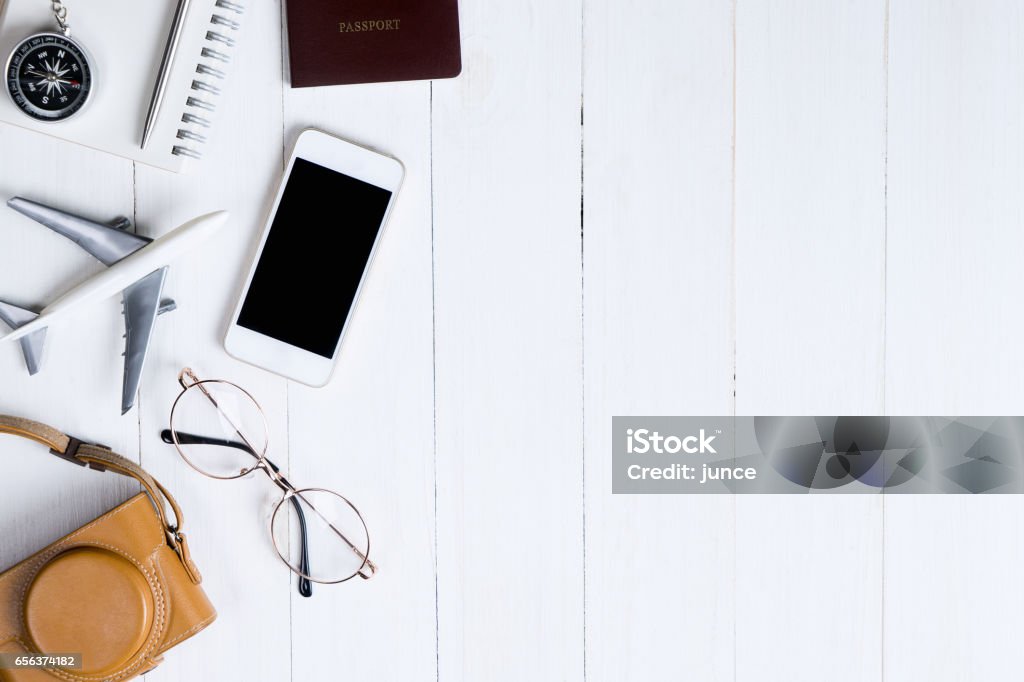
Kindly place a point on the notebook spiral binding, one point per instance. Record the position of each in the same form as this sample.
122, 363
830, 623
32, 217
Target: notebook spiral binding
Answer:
208, 74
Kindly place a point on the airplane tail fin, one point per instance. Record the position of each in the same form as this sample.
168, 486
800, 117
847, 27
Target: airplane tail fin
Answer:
32, 344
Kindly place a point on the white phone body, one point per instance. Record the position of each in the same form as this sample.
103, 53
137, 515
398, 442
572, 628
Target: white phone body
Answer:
275, 351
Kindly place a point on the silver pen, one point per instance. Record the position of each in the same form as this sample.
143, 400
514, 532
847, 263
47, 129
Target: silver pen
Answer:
165, 69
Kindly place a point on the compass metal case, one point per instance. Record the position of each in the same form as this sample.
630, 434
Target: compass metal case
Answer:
50, 79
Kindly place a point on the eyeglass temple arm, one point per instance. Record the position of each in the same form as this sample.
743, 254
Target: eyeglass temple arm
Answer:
192, 439
305, 586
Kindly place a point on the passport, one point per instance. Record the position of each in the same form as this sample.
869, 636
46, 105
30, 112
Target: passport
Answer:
340, 42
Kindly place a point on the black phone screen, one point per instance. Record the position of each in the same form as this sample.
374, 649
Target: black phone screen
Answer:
314, 257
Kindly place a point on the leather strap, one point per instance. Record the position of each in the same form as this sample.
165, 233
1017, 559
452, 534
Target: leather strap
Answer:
102, 458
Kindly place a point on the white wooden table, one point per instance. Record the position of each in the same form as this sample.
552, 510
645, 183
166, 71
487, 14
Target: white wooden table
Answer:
620, 207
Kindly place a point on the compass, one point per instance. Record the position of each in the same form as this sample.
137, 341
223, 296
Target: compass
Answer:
49, 77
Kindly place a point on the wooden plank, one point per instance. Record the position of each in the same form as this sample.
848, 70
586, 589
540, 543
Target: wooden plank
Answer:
227, 521
79, 387
810, 154
657, 327
953, 600
369, 434
507, 266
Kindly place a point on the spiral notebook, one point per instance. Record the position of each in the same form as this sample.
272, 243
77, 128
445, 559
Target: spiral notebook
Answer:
125, 40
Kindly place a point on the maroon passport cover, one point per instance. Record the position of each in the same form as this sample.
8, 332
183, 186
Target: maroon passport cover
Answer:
337, 42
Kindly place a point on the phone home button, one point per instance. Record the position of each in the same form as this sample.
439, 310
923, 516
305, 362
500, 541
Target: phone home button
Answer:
90, 601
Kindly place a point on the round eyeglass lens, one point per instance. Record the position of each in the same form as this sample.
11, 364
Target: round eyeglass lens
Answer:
321, 536
219, 429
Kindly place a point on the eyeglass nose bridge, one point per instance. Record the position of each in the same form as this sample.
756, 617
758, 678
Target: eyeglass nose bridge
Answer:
275, 475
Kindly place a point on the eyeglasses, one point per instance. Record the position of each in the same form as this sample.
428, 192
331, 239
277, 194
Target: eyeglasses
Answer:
221, 431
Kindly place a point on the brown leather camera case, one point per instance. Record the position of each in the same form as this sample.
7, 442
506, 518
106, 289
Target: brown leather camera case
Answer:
120, 591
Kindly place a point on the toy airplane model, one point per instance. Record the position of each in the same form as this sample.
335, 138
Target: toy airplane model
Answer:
136, 267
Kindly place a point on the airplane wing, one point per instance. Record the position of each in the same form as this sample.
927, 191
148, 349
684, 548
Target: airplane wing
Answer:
141, 308
31, 345
107, 244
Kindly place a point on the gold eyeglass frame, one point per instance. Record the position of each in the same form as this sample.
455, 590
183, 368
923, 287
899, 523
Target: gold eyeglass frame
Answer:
188, 380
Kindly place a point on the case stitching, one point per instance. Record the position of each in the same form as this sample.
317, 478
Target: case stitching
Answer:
195, 628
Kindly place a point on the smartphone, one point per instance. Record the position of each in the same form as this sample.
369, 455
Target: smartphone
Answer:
313, 256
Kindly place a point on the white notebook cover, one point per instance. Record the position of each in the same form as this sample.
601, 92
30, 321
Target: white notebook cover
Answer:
125, 40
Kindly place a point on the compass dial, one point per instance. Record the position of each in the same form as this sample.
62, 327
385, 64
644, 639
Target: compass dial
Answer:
49, 77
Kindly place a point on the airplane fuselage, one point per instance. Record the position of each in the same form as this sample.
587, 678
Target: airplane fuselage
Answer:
119, 276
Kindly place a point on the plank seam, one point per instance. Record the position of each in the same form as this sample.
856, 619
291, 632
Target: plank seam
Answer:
583, 326
287, 390
734, 323
433, 335
885, 298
